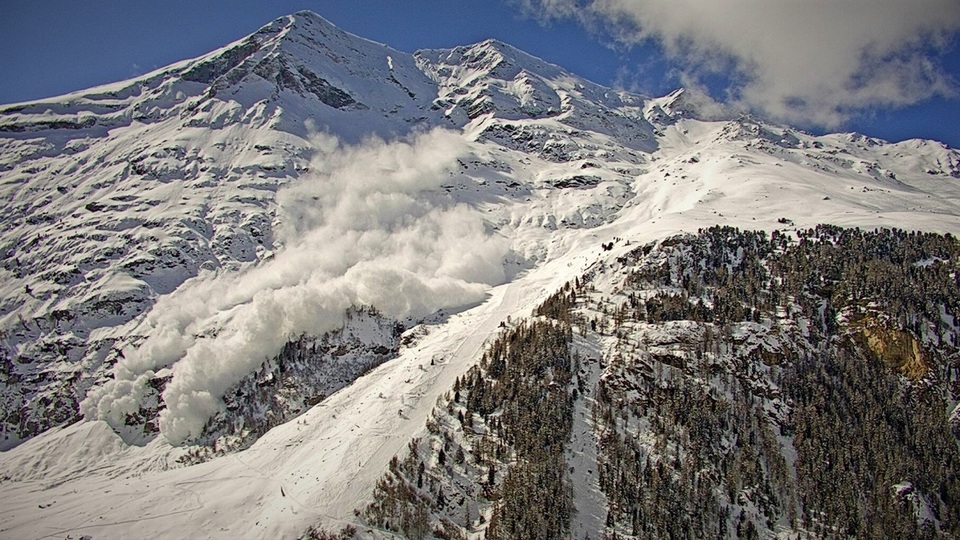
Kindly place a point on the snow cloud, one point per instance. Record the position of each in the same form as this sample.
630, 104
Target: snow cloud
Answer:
369, 226
813, 61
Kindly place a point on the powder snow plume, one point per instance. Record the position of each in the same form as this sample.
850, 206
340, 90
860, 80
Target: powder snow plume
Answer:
368, 226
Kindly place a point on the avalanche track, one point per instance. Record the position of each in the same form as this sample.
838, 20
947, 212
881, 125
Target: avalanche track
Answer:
320, 466
119, 195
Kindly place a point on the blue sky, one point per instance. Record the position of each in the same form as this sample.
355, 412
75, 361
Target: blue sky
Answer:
890, 69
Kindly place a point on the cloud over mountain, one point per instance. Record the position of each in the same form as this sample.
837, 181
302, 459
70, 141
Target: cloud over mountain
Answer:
811, 62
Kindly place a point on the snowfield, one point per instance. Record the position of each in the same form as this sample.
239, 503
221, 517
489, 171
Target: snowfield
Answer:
204, 215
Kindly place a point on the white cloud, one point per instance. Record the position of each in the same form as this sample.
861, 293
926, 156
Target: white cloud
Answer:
812, 61
370, 226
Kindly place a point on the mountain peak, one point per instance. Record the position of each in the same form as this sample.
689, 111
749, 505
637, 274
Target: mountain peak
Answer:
186, 260
496, 46
300, 19
695, 103
503, 53
306, 14
307, 21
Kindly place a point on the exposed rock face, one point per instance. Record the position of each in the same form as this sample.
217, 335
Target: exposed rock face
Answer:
898, 350
308, 370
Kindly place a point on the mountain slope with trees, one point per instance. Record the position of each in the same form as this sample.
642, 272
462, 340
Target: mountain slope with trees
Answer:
237, 286
753, 385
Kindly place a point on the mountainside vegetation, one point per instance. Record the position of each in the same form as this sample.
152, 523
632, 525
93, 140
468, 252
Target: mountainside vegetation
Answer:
793, 384
494, 459
770, 383
233, 288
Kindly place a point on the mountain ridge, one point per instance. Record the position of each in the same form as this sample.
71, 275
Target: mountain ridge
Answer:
177, 268
547, 112
511, 107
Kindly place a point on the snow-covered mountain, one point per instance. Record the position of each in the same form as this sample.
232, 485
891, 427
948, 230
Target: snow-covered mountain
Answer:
234, 288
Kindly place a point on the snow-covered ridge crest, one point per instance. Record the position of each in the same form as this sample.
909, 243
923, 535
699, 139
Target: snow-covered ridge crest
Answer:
214, 226
367, 227
117, 195
281, 72
205, 174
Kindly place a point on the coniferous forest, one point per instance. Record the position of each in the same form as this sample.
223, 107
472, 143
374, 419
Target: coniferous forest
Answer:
753, 385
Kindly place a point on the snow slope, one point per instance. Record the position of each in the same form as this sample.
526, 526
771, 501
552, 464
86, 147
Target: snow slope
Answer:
318, 467
208, 180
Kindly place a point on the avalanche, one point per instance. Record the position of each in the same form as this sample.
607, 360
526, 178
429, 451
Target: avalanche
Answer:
163, 238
